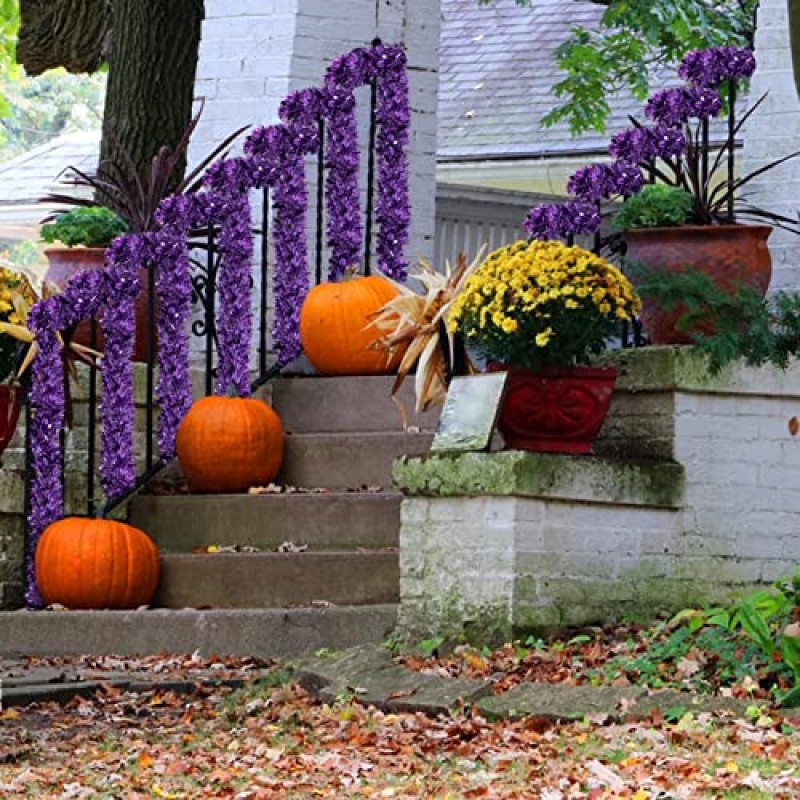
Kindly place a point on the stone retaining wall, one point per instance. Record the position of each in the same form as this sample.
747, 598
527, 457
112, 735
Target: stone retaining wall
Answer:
691, 498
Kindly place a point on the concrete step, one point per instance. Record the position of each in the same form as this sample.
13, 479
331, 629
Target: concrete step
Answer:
259, 632
273, 580
346, 404
324, 521
347, 461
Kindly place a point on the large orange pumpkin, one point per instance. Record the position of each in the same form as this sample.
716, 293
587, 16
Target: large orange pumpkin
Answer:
96, 563
334, 332
228, 444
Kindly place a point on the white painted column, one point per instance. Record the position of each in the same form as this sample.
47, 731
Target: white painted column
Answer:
772, 132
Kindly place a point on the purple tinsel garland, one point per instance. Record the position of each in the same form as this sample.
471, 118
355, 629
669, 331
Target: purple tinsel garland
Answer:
229, 182
117, 409
82, 297
393, 211
289, 236
670, 109
274, 157
174, 294
345, 230
47, 408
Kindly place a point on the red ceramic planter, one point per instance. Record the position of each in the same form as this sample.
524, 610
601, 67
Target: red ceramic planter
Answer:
10, 401
64, 262
729, 254
555, 410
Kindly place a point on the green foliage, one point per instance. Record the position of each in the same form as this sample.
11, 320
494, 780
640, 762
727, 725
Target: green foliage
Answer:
732, 325
767, 618
35, 110
42, 108
656, 206
700, 660
9, 24
429, 647
91, 227
633, 36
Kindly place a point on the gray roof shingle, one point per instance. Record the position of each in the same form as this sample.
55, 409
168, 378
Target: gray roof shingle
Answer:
497, 71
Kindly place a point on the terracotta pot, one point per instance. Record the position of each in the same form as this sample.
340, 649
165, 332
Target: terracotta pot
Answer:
64, 262
729, 254
10, 402
555, 410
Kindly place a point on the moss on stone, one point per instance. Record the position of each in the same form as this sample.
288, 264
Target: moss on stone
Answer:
545, 475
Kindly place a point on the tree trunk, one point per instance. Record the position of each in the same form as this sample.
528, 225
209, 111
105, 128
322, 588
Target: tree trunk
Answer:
62, 33
151, 80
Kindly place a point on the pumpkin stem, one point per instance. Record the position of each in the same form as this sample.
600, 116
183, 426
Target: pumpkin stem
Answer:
350, 273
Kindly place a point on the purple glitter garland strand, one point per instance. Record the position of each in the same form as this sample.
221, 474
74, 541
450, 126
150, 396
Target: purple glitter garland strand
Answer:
234, 317
393, 213
117, 409
669, 108
47, 419
82, 297
345, 228
174, 293
289, 238
229, 182
345, 231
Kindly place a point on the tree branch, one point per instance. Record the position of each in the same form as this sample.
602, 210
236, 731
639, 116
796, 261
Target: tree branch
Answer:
62, 33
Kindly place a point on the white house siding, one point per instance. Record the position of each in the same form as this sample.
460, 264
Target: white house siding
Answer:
774, 131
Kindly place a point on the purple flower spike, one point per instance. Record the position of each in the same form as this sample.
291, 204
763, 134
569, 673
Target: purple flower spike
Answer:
554, 221
676, 106
710, 67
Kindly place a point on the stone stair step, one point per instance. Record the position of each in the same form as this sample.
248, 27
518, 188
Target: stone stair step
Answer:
326, 520
347, 461
258, 632
313, 404
269, 580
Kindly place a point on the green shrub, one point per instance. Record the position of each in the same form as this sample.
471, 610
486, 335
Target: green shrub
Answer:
739, 324
656, 206
91, 227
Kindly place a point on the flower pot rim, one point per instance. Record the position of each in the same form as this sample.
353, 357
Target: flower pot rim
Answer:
579, 370
82, 248
727, 227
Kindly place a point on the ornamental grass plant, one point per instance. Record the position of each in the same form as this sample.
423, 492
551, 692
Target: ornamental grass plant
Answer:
543, 304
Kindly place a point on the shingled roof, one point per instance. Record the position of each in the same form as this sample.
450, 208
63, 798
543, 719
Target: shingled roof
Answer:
497, 71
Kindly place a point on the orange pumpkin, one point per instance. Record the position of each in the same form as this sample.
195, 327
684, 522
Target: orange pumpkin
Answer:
96, 563
228, 444
334, 332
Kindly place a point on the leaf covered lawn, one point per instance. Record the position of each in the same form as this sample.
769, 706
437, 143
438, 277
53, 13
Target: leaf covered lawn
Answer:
270, 741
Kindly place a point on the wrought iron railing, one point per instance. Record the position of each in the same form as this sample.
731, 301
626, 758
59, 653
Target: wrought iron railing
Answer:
205, 282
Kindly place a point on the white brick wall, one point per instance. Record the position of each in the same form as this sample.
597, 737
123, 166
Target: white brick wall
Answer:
774, 131
591, 558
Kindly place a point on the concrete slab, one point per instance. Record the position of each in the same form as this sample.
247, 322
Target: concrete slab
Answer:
274, 580
330, 520
563, 703
262, 633
314, 404
370, 674
347, 461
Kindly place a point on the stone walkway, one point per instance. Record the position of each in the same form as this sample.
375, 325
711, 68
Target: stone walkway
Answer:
368, 674
24, 681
